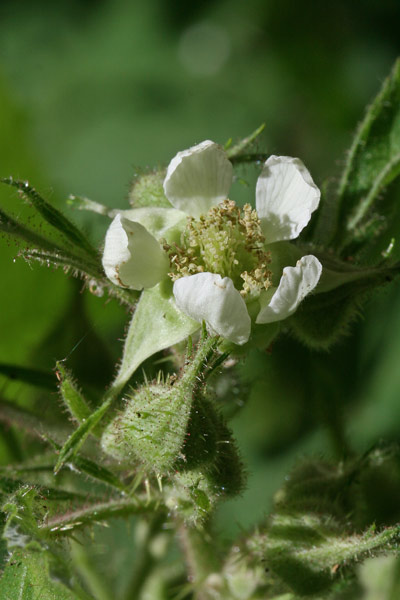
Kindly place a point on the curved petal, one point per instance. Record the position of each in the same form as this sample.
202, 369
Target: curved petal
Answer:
198, 178
209, 297
158, 221
285, 198
296, 282
132, 257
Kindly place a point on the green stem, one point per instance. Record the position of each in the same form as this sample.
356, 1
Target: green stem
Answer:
100, 511
330, 409
387, 173
198, 364
200, 555
145, 560
95, 584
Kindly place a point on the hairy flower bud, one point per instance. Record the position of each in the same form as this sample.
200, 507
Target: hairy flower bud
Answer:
195, 491
166, 425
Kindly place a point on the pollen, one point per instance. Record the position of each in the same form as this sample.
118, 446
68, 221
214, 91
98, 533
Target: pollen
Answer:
228, 241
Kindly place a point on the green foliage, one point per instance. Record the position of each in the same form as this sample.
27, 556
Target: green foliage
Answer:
53, 216
372, 163
94, 470
71, 395
316, 539
156, 324
78, 437
27, 577
71, 250
322, 525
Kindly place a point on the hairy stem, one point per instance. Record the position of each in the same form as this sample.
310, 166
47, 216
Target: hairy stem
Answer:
145, 560
201, 557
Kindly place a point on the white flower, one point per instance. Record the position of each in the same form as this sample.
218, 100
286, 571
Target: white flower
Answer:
198, 179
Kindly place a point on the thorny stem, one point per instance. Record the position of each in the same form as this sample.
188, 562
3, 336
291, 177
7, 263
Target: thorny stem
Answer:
199, 362
95, 513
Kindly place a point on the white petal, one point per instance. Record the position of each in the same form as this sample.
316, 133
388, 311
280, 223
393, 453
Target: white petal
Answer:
198, 178
157, 220
285, 198
296, 282
132, 257
209, 297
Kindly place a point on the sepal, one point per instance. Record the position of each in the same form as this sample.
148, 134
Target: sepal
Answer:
147, 189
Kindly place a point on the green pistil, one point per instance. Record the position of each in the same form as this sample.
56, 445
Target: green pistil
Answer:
226, 241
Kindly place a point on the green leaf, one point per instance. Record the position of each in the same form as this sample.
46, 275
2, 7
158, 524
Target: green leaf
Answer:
94, 470
53, 216
72, 397
27, 577
48, 252
156, 324
388, 172
12, 227
78, 437
98, 472
373, 160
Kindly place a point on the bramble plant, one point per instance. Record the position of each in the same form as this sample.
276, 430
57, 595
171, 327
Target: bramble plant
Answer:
207, 282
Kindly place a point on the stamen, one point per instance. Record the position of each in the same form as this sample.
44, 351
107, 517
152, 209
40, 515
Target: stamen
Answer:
226, 241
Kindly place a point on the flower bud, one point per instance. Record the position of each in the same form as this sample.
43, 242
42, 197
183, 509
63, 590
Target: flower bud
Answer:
195, 491
166, 425
152, 428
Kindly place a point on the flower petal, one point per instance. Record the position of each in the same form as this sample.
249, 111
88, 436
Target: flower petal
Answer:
296, 282
158, 221
209, 297
132, 257
285, 198
198, 178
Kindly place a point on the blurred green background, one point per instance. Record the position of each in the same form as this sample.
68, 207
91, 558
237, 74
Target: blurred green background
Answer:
91, 91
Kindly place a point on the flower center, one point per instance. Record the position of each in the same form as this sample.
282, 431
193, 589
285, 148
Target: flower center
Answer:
226, 241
